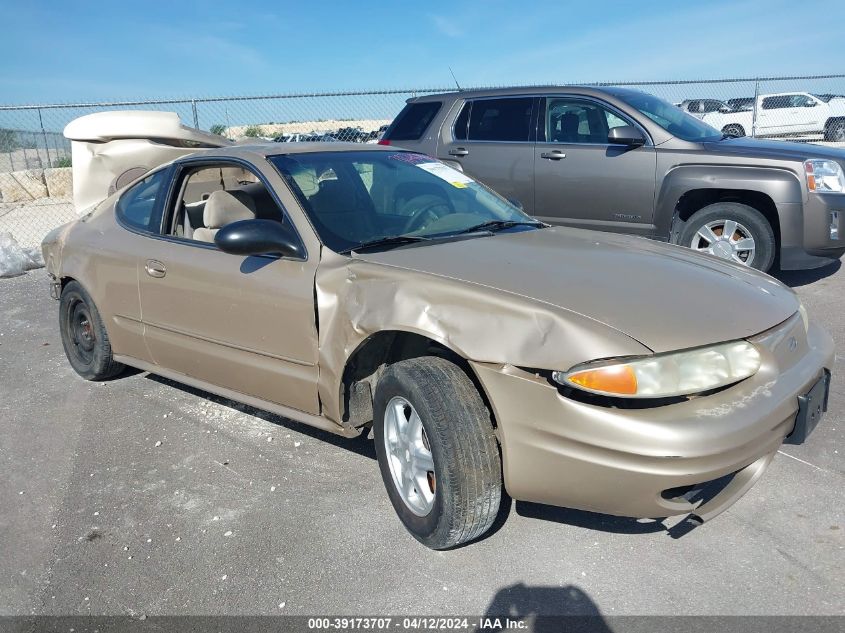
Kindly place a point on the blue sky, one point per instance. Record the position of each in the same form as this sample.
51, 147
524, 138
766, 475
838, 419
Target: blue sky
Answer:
78, 50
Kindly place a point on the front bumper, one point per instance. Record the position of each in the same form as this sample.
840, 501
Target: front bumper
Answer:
812, 234
563, 452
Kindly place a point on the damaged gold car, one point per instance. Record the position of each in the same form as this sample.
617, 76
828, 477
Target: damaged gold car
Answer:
351, 287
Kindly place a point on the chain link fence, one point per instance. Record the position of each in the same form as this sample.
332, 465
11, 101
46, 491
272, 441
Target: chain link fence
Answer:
36, 165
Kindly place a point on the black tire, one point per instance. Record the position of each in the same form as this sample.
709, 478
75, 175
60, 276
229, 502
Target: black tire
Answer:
84, 336
834, 131
748, 217
733, 130
467, 477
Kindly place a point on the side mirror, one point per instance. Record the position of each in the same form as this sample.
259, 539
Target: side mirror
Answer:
725, 109
810, 104
626, 135
259, 237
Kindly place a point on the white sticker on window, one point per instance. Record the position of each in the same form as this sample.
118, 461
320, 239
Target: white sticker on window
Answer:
444, 172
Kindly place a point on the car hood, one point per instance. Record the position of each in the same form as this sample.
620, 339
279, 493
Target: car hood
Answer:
665, 297
778, 150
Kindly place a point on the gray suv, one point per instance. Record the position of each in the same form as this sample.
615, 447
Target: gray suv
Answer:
621, 160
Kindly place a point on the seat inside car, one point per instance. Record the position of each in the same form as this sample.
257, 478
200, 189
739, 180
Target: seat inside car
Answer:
222, 208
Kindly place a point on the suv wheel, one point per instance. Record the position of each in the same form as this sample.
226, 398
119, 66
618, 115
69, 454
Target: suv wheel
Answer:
732, 231
84, 336
734, 131
436, 451
835, 131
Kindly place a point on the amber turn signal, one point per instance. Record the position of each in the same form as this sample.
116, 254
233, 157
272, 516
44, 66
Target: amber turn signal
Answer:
619, 379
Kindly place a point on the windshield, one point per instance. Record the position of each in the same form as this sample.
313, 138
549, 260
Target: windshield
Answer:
358, 197
673, 120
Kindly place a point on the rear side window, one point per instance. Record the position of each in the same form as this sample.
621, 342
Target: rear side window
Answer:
137, 207
774, 103
413, 121
500, 119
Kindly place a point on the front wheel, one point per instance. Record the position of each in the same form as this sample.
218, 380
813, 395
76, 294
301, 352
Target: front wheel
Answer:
732, 231
835, 132
436, 451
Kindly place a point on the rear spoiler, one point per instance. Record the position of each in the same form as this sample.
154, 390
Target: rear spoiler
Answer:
111, 149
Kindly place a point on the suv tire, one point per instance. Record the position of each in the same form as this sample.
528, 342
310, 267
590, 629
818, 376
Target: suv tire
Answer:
434, 438
707, 226
84, 336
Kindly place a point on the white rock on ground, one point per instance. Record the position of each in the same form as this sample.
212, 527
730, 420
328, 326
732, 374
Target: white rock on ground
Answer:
15, 260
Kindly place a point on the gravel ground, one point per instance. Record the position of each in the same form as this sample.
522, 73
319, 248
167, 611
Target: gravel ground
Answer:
140, 496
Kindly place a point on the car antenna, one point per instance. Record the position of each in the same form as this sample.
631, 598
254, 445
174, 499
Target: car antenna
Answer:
455, 78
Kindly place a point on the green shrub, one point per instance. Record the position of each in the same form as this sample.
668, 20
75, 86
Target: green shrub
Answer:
253, 131
218, 128
64, 161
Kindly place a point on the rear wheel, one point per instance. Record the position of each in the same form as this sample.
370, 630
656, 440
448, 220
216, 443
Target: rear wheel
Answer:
436, 451
733, 130
84, 336
732, 231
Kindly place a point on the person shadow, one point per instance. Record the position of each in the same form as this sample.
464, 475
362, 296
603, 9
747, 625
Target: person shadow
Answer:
542, 609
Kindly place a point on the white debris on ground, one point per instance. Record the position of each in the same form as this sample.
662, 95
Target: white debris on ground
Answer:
15, 259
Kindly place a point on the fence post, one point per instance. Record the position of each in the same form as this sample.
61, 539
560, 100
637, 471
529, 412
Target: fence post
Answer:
754, 109
196, 118
44, 135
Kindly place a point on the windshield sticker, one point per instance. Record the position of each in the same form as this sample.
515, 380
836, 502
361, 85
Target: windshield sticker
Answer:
452, 176
411, 157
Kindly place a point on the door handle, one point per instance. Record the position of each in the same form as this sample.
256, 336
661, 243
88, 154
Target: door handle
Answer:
458, 151
155, 268
555, 154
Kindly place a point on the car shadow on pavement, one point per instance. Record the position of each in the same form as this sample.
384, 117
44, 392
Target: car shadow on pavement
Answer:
359, 445
542, 609
603, 522
796, 278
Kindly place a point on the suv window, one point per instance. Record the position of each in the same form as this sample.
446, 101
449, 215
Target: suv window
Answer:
573, 121
712, 106
499, 119
413, 121
137, 205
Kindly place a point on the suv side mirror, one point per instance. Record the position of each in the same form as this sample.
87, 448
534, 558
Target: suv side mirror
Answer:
725, 109
259, 237
626, 135
810, 104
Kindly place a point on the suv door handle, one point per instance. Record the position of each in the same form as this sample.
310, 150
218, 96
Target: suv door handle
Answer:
555, 154
155, 268
458, 151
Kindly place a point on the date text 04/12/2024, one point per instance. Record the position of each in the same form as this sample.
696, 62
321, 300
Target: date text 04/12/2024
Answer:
417, 624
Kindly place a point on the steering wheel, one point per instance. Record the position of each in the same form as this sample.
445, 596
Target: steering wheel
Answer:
426, 209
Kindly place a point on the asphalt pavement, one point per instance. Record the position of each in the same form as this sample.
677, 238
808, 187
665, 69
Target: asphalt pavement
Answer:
139, 496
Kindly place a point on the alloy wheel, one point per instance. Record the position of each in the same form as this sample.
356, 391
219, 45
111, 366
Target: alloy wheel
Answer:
409, 456
727, 239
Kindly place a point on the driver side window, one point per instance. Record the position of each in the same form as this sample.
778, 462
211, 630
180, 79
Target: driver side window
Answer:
210, 196
576, 121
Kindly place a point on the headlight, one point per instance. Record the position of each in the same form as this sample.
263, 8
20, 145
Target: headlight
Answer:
666, 375
824, 176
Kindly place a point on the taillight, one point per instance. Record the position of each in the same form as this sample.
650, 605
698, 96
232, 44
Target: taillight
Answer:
384, 141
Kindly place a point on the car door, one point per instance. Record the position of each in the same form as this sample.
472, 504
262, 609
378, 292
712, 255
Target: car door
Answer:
581, 179
491, 141
808, 114
779, 115
242, 323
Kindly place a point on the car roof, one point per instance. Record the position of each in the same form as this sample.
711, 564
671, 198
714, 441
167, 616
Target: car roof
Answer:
527, 90
254, 151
